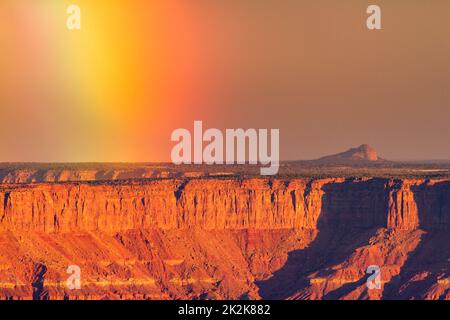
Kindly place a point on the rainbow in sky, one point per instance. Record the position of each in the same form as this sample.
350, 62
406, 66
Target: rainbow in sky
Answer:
97, 94
137, 70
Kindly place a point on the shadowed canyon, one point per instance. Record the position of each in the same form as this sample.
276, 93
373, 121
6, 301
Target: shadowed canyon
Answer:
226, 238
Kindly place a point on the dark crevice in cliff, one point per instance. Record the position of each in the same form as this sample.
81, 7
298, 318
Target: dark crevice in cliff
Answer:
55, 221
6, 200
307, 193
308, 188
39, 292
7, 195
178, 193
294, 200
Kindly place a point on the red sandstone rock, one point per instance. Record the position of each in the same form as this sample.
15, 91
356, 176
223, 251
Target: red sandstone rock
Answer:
226, 239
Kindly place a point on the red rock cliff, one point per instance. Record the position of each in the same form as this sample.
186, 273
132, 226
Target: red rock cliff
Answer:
212, 204
226, 239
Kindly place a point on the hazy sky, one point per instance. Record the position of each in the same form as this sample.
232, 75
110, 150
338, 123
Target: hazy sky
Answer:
115, 90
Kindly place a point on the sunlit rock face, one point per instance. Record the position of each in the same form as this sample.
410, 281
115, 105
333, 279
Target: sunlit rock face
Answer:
226, 239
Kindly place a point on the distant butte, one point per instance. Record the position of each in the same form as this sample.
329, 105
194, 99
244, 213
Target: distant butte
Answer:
363, 153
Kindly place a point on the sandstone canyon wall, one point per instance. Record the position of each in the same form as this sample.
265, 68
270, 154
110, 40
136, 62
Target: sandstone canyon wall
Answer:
211, 204
226, 238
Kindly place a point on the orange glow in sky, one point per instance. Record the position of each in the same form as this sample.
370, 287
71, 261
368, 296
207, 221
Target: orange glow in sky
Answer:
137, 70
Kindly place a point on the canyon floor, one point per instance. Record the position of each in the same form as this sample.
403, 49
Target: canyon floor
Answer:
157, 232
